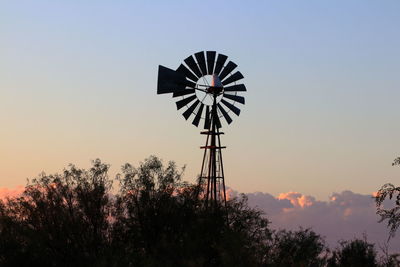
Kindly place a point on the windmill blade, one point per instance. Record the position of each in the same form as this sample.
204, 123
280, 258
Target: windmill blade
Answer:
235, 88
181, 103
233, 78
236, 98
210, 61
228, 69
193, 66
207, 120
190, 84
169, 80
183, 92
202, 62
220, 63
231, 107
196, 119
225, 114
188, 74
190, 110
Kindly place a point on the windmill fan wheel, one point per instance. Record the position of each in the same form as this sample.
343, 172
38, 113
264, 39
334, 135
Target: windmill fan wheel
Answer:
204, 81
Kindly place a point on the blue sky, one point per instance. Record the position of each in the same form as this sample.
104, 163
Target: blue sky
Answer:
78, 81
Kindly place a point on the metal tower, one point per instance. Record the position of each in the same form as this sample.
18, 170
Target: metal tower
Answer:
206, 86
212, 178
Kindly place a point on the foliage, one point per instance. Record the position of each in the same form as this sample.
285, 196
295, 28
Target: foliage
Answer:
387, 259
58, 220
297, 248
160, 220
155, 219
356, 252
392, 215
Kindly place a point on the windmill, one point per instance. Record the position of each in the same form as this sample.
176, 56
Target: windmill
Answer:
206, 88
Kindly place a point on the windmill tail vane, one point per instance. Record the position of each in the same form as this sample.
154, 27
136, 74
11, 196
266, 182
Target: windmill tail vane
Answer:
207, 88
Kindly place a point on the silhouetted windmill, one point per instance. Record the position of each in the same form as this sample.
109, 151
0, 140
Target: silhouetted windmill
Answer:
208, 89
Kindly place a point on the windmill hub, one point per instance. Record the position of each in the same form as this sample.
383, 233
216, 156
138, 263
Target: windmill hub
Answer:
215, 90
216, 87
208, 90
216, 82
206, 96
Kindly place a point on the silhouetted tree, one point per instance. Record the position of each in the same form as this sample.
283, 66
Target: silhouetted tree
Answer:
354, 253
388, 259
161, 222
392, 214
59, 220
155, 219
297, 248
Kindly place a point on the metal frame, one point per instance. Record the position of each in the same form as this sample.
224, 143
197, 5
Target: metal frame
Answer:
212, 178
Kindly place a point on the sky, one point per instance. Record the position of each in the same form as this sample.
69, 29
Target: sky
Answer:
78, 82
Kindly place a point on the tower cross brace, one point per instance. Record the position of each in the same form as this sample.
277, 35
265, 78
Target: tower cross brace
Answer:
212, 179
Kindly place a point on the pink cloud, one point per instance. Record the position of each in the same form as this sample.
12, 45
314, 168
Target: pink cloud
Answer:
11, 192
297, 199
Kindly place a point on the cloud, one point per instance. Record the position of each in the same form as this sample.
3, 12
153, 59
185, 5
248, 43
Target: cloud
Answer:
11, 192
297, 199
344, 216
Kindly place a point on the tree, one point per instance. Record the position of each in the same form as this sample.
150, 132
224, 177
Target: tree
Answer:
392, 215
161, 221
59, 220
388, 259
297, 248
153, 219
354, 253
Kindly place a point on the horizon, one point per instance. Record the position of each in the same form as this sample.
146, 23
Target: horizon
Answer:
79, 81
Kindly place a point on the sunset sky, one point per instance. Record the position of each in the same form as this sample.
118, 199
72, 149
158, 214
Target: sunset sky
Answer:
78, 82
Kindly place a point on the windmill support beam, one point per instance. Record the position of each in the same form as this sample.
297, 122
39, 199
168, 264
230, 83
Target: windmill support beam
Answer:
212, 179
